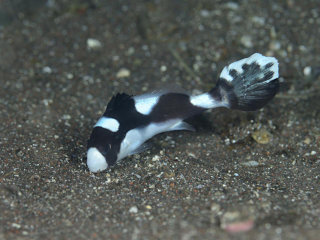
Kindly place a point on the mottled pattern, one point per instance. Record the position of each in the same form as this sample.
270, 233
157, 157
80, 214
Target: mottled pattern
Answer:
266, 65
248, 84
174, 105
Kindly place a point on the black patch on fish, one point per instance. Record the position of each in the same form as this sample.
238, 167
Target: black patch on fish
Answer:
174, 105
107, 142
122, 108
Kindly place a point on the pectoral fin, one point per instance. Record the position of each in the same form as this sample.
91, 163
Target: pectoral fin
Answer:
142, 148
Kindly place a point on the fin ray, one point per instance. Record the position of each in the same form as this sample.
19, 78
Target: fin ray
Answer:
182, 126
248, 84
142, 148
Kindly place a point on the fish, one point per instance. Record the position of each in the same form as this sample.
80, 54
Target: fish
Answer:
129, 121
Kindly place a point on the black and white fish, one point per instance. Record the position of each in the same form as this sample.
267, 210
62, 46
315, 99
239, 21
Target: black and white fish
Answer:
129, 121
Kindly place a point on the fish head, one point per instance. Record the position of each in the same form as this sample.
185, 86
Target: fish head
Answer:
103, 147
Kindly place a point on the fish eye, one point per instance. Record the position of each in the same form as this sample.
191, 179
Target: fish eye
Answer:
108, 147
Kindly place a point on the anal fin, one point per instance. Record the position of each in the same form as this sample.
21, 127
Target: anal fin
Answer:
182, 126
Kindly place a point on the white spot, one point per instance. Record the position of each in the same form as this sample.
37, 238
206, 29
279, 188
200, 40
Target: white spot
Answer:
69, 75
163, 68
16, 225
251, 164
155, 158
205, 13
133, 209
259, 59
275, 45
95, 160
93, 44
232, 5
246, 41
145, 103
259, 20
108, 123
66, 117
47, 70
206, 101
307, 71
130, 51
123, 73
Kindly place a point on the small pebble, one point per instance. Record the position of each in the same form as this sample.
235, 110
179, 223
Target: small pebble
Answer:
47, 70
307, 71
35, 177
155, 158
169, 174
123, 72
275, 45
238, 227
133, 209
204, 13
307, 140
190, 154
215, 208
16, 225
93, 44
163, 68
259, 20
303, 48
115, 58
246, 41
235, 222
232, 5
46, 102
261, 136
66, 117
130, 51
251, 164
69, 75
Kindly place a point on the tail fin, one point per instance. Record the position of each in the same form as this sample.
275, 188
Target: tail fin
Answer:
248, 84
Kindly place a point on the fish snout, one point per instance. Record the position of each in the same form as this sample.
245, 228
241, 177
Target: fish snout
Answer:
95, 160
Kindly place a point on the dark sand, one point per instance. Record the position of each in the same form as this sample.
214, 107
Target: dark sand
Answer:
260, 169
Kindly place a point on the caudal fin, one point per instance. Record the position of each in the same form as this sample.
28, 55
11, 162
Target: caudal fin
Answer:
248, 84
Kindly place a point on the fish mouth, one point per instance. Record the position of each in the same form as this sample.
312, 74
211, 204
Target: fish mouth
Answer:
95, 160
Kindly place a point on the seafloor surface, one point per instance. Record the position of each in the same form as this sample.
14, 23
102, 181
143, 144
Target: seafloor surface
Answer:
241, 175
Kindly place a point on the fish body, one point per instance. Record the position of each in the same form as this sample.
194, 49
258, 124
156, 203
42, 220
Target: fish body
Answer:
129, 121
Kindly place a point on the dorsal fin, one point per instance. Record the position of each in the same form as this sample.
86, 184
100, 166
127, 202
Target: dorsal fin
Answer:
170, 88
117, 101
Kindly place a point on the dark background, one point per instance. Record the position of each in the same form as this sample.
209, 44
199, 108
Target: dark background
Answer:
260, 169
